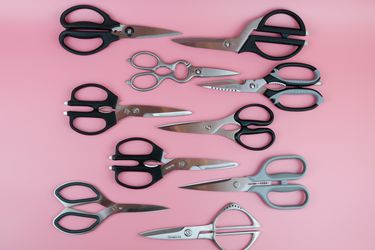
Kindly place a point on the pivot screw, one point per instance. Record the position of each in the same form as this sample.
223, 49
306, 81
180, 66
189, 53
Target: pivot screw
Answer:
227, 44
181, 163
236, 184
252, 85
136, 110
188, 232
129, 31
208, 127
198, 71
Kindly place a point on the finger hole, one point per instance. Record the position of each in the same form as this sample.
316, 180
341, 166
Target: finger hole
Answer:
293, 198
181, 72
297, 101
294, 72
294, 166
89, 16
135, 179
276, 49
136, 147
83, 45
77, 192
254, 113
145, 81
256, 141
145, 60
91, 94
74, 222
282, 20
89, 124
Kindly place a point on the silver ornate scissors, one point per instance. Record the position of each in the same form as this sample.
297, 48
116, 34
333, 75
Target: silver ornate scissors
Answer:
210, 231
192, 71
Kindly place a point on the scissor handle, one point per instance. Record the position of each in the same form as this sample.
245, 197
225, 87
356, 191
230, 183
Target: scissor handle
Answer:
251, 46
158, 61
251, 131
75, 202
107, 23
76, 213
155, 155
109, 118
275, 77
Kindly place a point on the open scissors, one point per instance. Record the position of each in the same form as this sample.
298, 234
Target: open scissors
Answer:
111, 111
210, 231
157, 165
192, 71
109, 209
262, 183
247, 40
286, 86
215, 127
108, 31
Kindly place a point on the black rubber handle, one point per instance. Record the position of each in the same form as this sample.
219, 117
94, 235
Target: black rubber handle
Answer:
251, 46
76, 201
107, 23
274, 75
155, 173
106, 37
109, 118
57, 220
246, 131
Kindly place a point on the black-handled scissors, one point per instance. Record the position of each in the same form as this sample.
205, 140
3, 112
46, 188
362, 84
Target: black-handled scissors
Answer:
108, 31
245, 127
109, 209
247, 41
110, 111
156, 164
285, 86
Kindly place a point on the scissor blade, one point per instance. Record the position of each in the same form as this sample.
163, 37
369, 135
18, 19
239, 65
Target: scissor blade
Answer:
208, 43
157, 111
173, 233
134, 208
223, 185
214, 72
225, 85
146, 32
203, 164
189, 127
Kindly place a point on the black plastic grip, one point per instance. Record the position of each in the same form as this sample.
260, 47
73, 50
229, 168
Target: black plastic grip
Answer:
107, 23
246, 131
75, 201
106, 37
155, 173
109, 119
57, 220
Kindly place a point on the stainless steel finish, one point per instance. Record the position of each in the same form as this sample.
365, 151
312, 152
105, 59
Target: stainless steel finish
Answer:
259, 85
123, 111
138, 31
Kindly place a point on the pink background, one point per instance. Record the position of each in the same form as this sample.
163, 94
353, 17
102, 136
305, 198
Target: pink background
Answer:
40, 151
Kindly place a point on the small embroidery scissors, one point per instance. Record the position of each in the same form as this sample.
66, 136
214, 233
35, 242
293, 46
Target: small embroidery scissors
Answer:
157, 165
192, 71
215, 127
247, 41
108, 31
111, 111
109, 209
286, 86
210, 231
262, 183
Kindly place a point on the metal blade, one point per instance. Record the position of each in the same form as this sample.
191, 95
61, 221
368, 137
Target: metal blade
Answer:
140, 208
190, 127
224, 85
223, 185
197, 164
207, 43
173, 233
214, 72
155, 111
147, 31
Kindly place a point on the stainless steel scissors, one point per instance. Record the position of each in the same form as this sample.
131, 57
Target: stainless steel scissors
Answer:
108, 31
192, 71
247, 41
156, 164
286, 86
215, 127
210, 231
262, 183
111, 111
109, 209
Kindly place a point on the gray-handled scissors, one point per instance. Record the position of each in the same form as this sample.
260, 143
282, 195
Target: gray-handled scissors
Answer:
210, 231
109, 208
286, 86
262, 183
192, 71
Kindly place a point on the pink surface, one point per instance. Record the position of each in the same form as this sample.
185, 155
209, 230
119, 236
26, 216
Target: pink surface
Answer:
40, 151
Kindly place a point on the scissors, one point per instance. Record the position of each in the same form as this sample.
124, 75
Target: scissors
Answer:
192, 71
111, 111
287, 86
157, 165
247, 40
262, 183
109, 209
210, 231
215, 127
108, 31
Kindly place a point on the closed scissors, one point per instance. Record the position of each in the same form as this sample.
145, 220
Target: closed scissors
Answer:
156, 164
210, 231
285, 86
245, 127
192, 71
110, 110
262, 183
248, 40
109, 209
108, 31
